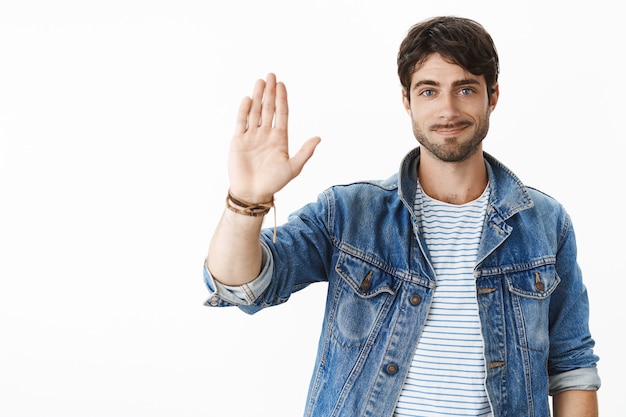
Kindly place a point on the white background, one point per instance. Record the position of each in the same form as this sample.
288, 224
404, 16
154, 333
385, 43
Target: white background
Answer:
115, 119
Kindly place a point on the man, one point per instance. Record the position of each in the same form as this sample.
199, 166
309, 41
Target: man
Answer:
453, 289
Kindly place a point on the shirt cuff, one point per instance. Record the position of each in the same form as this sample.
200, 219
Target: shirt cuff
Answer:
586, 379
243, 295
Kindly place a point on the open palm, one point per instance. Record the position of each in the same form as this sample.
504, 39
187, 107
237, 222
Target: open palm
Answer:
259, 161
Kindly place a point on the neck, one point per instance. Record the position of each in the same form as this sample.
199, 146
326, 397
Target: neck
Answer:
453, 182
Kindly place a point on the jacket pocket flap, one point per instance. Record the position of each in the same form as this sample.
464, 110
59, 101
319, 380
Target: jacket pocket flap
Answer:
536, 282
365, 278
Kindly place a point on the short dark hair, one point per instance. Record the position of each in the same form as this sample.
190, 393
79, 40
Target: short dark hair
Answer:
460, 40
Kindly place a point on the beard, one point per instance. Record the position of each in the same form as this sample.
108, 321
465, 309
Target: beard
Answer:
451, 150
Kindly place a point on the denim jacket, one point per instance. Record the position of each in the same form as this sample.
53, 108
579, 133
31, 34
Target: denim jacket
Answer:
364, 240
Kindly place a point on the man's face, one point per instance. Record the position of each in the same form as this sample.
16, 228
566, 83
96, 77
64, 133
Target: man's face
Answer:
449, 109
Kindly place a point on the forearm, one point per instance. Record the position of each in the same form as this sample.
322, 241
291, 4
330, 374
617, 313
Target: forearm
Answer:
575, 403
234, 256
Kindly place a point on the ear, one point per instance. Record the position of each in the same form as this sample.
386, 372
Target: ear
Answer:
405, 102
493, 100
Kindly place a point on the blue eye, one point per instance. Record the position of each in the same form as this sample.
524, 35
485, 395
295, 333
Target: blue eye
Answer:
467, 91
428, 93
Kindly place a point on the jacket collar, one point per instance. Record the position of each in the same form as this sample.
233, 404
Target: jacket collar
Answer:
508, 195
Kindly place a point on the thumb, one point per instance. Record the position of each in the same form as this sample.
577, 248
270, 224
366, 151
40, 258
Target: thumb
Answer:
303, 155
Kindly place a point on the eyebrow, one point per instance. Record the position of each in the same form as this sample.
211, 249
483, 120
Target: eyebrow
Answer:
459, 83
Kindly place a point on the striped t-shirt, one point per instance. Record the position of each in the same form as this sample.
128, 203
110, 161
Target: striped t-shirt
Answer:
447, 375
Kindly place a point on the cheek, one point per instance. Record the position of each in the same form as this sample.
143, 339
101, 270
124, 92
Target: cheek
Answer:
418, 115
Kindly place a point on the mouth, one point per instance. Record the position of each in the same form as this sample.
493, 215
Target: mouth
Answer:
450, 129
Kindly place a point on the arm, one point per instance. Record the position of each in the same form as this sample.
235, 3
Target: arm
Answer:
574, 377
575, 403
259, 165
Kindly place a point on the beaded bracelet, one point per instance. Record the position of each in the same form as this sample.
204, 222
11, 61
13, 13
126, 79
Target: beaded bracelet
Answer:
251, 209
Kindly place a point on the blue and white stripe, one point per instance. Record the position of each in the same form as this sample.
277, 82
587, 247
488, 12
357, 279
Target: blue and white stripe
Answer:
448, 370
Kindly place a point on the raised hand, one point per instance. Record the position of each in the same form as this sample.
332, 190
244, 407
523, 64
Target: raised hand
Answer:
259, 161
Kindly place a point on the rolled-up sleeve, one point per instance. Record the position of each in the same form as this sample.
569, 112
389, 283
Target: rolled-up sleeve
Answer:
586, 379
222, 295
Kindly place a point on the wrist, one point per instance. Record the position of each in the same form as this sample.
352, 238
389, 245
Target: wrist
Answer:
256, 209
251, 209
246, 195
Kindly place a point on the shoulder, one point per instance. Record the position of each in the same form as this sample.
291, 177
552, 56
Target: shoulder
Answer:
364, 190
544, 202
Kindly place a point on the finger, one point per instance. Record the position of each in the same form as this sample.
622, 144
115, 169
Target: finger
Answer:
241, 123
303, 155
257, 99
282, 106
269, 101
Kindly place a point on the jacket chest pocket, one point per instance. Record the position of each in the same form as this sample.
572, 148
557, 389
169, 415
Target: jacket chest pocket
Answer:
361, 298
530, 298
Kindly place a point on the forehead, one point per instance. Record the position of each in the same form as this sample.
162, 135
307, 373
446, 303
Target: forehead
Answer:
439, 71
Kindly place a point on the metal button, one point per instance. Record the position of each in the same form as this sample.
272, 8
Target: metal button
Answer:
392, 368
415, 299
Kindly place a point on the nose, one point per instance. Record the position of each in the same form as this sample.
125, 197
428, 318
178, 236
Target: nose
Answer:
448, 106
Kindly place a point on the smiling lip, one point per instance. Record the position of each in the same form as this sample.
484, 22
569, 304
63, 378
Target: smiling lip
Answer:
449, 133
449, 130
